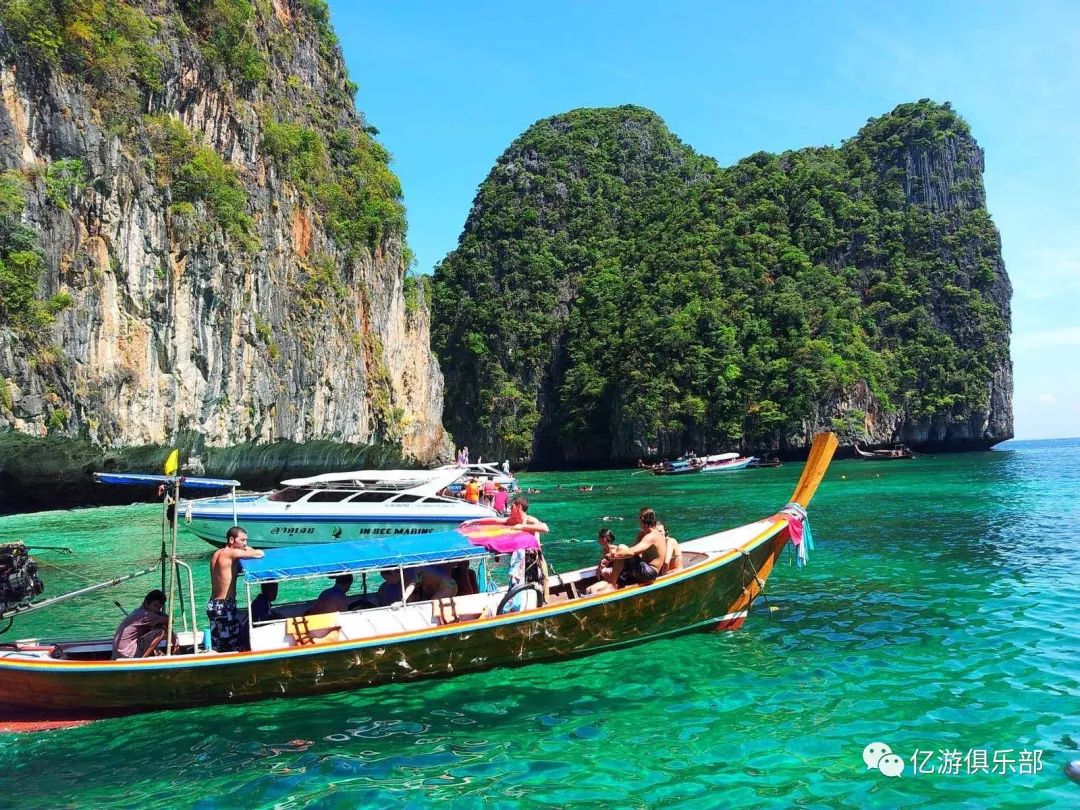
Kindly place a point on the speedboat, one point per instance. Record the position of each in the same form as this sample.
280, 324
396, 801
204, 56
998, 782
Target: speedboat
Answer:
495, 473
337, 506
726, 462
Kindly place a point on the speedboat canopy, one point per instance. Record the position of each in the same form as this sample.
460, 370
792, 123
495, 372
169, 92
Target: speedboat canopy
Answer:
420, 481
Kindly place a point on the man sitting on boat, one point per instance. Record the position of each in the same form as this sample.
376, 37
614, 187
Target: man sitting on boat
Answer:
334, 599
142, 629
605, 569
673, 558
435, 582
392, 590
225, 631
262, 606
640, 563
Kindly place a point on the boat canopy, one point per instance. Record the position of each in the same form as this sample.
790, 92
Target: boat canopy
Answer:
186, 481
331, 559
722, 457
418, 481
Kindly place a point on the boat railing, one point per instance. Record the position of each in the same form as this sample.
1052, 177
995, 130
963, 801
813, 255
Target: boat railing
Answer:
191, 601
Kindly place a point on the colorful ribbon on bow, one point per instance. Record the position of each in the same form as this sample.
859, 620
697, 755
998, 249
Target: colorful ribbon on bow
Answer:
799, 532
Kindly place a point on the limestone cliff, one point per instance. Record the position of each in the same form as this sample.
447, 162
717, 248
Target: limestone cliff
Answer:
616, 295
220, 244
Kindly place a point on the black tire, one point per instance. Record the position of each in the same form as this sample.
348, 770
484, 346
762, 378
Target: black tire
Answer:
524, 586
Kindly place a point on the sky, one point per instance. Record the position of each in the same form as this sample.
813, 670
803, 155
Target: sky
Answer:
450, 85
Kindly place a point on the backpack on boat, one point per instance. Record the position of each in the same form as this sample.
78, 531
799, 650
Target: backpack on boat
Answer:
19, 582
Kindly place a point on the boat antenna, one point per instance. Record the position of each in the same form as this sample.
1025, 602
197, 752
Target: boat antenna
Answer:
171, 465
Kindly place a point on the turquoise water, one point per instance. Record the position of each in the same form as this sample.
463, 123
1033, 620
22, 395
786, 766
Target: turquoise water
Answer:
937, 613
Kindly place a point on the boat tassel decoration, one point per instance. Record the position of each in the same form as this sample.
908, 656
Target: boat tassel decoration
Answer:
799, 532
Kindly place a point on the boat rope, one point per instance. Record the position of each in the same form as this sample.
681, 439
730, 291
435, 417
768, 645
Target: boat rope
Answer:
757, 578
61, 549
68, 571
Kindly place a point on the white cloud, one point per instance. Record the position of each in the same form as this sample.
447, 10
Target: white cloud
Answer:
1047, 399
1066, 336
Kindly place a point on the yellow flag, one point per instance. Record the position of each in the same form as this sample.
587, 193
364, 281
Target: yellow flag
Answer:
172, 463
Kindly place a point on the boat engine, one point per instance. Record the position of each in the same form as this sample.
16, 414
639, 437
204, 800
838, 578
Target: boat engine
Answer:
19, 581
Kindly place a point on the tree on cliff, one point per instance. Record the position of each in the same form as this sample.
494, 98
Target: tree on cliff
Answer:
616, 294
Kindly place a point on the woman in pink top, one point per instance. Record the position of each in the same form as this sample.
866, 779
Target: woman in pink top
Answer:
500, 499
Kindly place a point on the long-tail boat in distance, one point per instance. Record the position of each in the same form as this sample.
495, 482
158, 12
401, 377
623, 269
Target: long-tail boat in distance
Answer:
894, 453
542, 617
682, 466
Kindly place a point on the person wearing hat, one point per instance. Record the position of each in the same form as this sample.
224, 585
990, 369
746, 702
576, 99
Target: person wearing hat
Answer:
142, 629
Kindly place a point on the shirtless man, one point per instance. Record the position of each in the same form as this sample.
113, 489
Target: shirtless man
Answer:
522, 521
334, 599
221, 609
673, 560
640, 564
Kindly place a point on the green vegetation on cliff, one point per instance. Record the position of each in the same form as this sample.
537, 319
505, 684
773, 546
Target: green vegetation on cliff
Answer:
615, 293
119, 50
22, 263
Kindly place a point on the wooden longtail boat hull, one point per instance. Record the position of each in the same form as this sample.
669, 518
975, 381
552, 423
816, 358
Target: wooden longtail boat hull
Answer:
715, 597
884, 455
713, 593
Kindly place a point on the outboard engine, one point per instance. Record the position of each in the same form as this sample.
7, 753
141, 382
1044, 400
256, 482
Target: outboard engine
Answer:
19, 581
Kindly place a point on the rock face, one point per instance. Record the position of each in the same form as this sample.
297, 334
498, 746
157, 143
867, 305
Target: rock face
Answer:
616, 295
223, 245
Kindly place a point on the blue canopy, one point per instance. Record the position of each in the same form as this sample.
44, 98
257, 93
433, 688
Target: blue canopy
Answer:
187, 481
329, 559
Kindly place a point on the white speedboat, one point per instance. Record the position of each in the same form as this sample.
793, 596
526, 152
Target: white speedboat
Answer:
499, 474
337, 506
726, 462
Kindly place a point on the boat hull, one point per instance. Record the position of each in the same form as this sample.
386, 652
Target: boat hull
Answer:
731, 466
715, 594
276, 528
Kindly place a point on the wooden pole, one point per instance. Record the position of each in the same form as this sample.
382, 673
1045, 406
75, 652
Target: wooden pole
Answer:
821, 453
172, 566
164, 521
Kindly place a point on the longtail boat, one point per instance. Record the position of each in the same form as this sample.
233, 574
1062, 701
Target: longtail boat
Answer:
895, 453
543, 617
682, 466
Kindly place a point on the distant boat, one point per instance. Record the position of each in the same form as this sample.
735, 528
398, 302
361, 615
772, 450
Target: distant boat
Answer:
771, 461
895, 453
682, 466
726, 462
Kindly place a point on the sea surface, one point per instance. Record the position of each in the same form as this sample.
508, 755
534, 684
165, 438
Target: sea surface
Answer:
939, 614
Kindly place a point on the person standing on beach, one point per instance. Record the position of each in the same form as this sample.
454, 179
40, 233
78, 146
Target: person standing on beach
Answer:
221, 609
